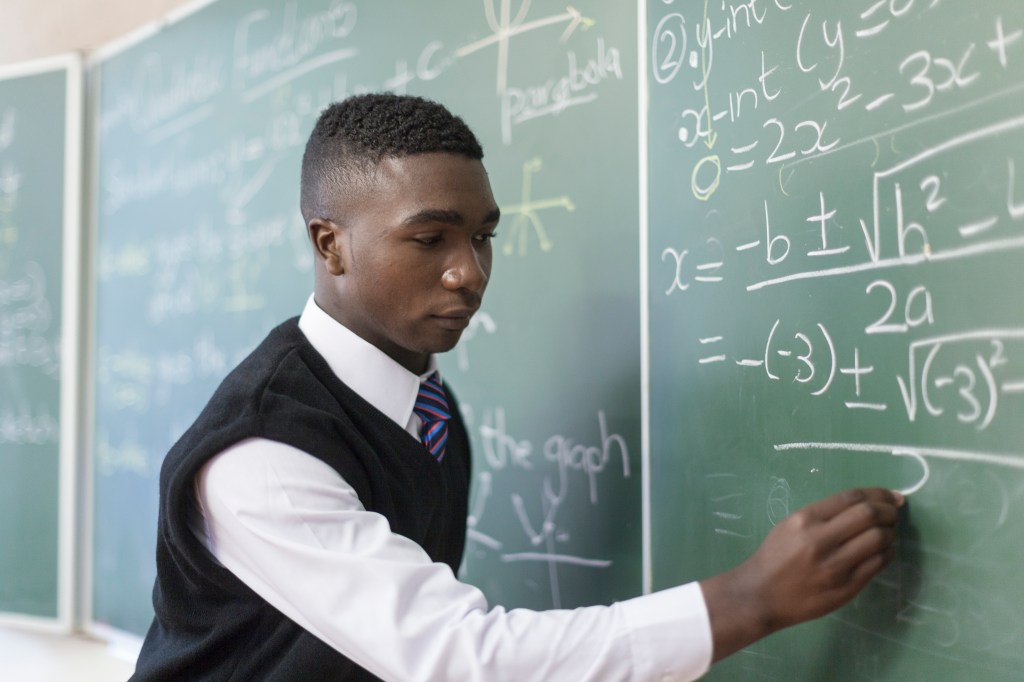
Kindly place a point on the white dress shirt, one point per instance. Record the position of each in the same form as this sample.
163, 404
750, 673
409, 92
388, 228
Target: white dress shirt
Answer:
294, 531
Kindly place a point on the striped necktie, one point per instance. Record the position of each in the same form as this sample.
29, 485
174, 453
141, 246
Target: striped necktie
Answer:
432, 409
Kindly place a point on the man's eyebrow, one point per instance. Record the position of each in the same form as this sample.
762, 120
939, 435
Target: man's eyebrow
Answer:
439, 215
434, 215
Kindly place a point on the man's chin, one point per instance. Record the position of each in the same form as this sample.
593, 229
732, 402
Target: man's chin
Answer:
444, 342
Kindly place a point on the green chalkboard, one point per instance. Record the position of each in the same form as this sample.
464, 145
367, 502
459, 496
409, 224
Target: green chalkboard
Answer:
39, 216
836, 247
201, 250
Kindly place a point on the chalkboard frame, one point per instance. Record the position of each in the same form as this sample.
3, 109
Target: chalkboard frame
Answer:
71, 338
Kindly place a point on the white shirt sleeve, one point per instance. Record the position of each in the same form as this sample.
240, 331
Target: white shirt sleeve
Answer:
295, 532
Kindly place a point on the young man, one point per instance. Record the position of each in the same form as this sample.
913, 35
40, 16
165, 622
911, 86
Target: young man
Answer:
313, 517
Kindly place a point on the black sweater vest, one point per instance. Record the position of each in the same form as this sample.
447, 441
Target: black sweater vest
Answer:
208, 624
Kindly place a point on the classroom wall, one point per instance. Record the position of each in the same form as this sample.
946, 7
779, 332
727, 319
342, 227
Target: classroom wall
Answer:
30, 30
734, 443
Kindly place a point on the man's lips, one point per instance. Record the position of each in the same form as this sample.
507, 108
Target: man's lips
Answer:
455, 318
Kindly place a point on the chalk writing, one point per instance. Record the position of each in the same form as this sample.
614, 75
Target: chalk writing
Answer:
167, 98
27, 334
834, 297
260, 65
576, 87
128, 456
28, 425
555, 465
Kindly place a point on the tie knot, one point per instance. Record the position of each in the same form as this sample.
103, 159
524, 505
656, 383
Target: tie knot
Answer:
432, 409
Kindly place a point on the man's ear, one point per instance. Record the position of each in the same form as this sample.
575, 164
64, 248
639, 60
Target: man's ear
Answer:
329, 244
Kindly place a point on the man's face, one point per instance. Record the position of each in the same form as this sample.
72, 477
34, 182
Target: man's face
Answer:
416, 254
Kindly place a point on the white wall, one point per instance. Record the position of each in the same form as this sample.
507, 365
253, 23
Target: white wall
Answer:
30, 29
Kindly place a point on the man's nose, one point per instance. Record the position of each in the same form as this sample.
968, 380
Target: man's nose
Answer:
468, 270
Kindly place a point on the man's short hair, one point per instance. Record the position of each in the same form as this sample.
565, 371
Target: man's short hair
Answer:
354, 135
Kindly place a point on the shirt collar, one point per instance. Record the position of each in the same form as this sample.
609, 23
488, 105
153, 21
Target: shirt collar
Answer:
363, 367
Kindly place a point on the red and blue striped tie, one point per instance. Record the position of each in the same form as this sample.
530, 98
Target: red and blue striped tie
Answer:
432, 409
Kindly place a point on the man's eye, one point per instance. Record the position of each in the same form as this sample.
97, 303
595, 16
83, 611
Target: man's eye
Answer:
486, 236
429, 241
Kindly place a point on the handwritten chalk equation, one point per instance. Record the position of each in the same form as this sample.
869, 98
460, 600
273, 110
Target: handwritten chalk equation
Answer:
963, 374
921, 80
917, 216
966, 375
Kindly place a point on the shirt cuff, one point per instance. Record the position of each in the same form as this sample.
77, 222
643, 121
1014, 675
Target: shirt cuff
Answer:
670, 634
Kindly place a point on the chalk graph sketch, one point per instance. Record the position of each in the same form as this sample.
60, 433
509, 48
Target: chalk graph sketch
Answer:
525, 218
505, 27
561, 464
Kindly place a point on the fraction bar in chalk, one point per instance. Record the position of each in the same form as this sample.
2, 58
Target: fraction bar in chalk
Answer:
732, 533
972, 229
967, 251
874, 30
1014, 461
556, 558
878, 407
713, 358
879, 101
1013, 387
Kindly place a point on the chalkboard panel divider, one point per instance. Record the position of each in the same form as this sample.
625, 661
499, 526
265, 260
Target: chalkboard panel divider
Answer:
71, 337
643, 96
90, 162
123, 644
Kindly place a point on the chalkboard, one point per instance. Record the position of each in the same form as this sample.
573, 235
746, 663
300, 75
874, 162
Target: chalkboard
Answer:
201, 250
836, 237
40, 165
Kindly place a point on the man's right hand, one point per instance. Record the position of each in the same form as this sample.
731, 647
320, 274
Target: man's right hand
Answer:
813, 562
